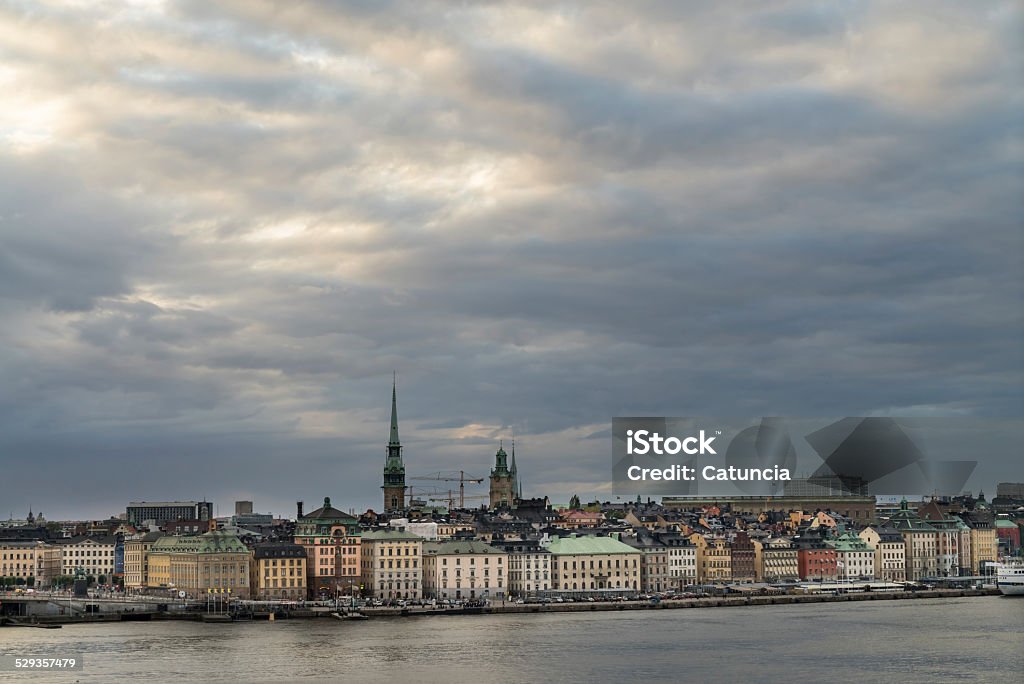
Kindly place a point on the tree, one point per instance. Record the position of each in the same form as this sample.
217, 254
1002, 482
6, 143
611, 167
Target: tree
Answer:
574, 502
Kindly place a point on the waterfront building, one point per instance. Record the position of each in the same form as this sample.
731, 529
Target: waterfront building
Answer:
654, 569
391, 564
278, 571
984, 541
502, 491
855, 560
394, 466
742, 558
948, 532
35, 563
94, 556
1008, 534
593, 564
162, 512
529, 567
464, 569
920, 541
216, 562
136, 561
816, 561
331, 539
714, 559
890, 553
682, 560
775, 560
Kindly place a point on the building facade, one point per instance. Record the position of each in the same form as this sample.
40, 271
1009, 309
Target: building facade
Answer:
214, 562
591, 564
161, 512
529, 568
464, 569
33, 563
331, 539
136, 561
391, 564
94, 556
890, 553
776, 560
278, 571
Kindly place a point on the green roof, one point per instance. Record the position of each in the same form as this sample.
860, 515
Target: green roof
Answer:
1005, 523
211, 542
586, 544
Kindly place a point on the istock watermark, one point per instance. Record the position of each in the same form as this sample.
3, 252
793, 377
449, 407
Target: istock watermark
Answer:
846, 456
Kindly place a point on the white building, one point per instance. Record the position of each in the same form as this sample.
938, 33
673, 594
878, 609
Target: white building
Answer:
424, 530
94, 555
464, 570
682, 562
529, 567
391, 564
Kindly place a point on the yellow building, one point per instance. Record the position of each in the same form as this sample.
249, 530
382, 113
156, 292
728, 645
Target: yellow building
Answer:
590, 564
714, 559
984, 541
278, 571
216, 561
136, 561
391, 564
35, 563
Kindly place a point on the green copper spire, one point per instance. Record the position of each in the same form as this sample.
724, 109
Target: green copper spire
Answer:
394, 413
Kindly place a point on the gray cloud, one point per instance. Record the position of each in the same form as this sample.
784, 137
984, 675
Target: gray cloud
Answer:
223, 226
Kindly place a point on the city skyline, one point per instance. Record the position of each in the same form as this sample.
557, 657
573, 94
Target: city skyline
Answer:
222, 228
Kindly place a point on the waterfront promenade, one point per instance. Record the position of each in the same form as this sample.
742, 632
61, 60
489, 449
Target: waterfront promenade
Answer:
35, 610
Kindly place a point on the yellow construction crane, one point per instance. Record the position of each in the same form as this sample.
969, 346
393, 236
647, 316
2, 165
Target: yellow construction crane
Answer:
453, 476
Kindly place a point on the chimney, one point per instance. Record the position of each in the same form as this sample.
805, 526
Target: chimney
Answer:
298, 510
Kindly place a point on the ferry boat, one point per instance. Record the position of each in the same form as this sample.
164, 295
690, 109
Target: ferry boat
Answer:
1010, 579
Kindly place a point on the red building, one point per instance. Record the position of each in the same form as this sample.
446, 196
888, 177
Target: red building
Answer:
816, 563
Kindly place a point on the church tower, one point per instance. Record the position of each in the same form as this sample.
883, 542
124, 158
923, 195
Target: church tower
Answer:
394, 469
502, 481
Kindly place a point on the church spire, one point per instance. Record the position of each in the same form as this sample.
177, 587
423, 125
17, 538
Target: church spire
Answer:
394, 468
394, 412
517, 492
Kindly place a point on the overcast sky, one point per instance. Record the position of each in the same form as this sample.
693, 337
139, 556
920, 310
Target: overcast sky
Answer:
224, 227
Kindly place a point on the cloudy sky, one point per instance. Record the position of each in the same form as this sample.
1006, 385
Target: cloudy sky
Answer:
223, 227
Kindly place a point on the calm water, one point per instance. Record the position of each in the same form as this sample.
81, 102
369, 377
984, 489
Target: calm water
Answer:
969, 639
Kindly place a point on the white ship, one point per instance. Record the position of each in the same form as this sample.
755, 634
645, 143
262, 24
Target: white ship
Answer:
1010, 579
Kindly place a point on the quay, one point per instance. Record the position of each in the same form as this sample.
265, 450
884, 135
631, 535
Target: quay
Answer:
30, 611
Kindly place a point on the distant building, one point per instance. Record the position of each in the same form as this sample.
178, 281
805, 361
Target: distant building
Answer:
921, 542
855, 560
984, 541
243, 508
654, 567
714, 559
214, 562
502, 492
856, 508
391, 564
161, 512
278, 571
682, 560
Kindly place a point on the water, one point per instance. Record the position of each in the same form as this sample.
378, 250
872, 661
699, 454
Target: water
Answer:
928, 640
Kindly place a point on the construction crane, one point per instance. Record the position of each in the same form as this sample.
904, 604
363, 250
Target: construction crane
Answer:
451, 477
451, 499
